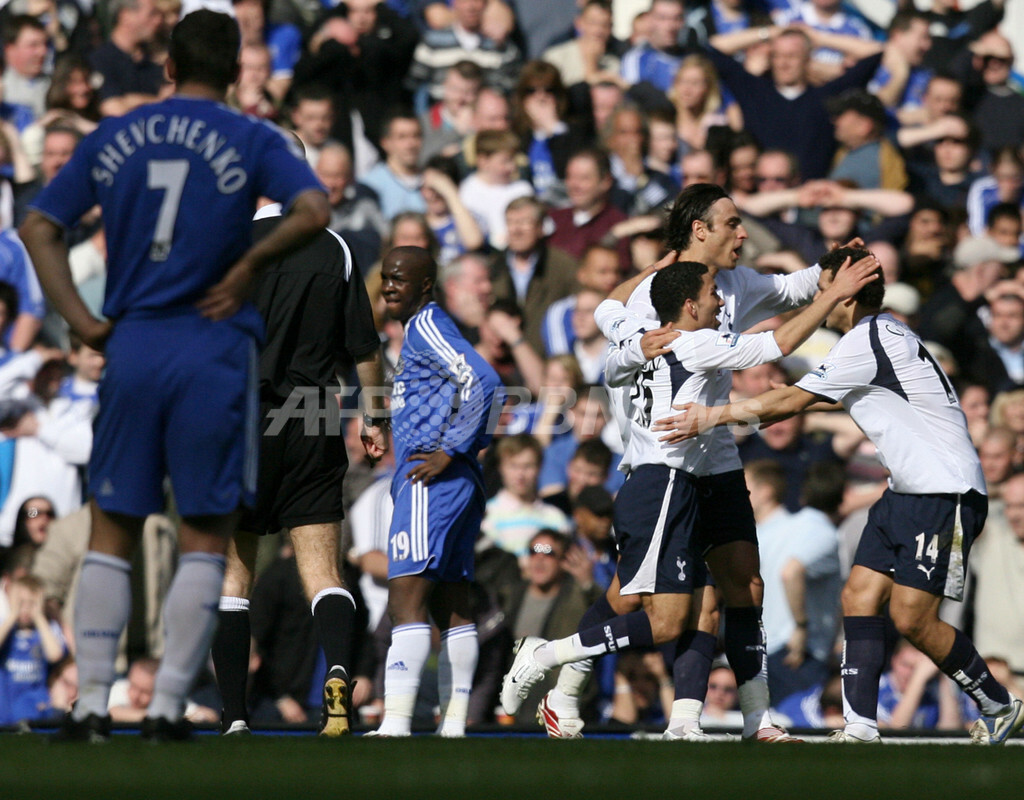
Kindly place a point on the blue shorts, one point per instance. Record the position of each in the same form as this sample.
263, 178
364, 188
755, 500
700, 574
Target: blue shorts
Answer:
656, 514
725, 512
923, 540
178, 398
435, 526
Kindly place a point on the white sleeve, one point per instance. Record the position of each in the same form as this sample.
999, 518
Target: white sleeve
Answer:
624, 330
848, 367
706, 350
760, 297
69, 434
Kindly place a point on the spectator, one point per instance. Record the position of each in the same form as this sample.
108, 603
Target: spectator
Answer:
130, 697
550, 601
998, 110
466, 291
974, 400
783, 111
587, 58
997, 563
864, 157
1004, 225
1001, 357
504, 347
33, 522
721, 705
996, 452
530, 272
361, 53
251, 92
71, 102
909, 695
826, 17
638, 188
663, 145
655, 61
953, 29
26, 310
448, 121
599, 271
59, 143
516, 514
589, 466
493, 185
539, 107
355, 213
592, 514
605, 97
312, 116
29, 645
130, 77
26, 46
1003, 184
591, 216
455, 227
948, 175
397, 180
282, 39
901, 80
464, 40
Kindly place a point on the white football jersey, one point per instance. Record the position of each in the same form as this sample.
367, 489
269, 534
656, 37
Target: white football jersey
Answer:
900, 397
697, 370
749, 297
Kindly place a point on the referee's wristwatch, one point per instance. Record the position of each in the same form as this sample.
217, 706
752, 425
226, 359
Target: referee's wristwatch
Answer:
375, 422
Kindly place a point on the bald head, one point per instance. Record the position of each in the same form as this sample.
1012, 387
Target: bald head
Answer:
407, 281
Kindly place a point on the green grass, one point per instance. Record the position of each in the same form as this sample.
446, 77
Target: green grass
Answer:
525, 768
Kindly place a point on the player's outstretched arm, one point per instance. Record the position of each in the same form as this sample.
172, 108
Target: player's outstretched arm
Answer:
44, 240
772, 406
309, 214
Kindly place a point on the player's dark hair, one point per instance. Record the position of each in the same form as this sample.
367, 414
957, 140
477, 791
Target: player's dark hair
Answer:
9, 297
595, 452
823, 487
673, 286
693, 203
870, 296
204, 49
1001, 210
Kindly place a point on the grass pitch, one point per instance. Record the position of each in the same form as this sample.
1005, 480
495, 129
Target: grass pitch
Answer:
497, 767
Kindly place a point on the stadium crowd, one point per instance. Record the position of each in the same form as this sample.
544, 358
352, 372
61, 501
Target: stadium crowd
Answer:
535, 154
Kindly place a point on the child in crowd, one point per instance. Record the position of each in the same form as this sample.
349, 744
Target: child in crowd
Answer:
488, 191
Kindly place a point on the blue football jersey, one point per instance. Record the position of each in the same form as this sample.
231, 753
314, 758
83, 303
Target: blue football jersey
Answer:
178, 183
444, 392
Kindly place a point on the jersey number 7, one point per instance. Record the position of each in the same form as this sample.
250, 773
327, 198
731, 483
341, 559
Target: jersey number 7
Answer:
170, 176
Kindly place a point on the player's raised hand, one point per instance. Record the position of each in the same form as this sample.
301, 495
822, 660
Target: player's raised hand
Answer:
691, 420
656, 343
433, 465
852, 277
226, 297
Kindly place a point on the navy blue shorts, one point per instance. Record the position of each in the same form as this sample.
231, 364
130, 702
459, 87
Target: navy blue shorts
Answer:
435, 526
656, 513
178, 398
923, 540
725, 512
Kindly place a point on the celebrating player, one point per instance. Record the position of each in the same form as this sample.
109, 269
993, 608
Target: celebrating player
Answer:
441, 409
658, 527
177, 397
914, 548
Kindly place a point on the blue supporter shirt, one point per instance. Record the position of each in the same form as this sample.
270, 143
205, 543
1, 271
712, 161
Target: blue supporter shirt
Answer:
178, 182
16, 269
446, 396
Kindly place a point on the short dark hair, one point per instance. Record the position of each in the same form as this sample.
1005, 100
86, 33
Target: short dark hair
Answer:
673, 285
824, 485
204, 49
314, 92
17, 23
870, 296
395, 114
595, 452
600, 158
444, 165
693, 203
1001, 210
902, 20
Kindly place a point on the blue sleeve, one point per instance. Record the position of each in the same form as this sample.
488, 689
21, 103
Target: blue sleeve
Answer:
282, 175
285, 43
71, 193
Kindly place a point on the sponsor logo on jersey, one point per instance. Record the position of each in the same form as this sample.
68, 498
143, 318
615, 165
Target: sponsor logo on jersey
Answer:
728, 340
823, 370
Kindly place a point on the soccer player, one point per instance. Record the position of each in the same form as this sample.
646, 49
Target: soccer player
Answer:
657, 520
704, 226
915, 546
178, 182
317, 314
441, 407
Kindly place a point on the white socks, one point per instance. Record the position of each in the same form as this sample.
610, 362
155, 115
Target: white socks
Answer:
456, 666
410, 647
102, 608
190, 620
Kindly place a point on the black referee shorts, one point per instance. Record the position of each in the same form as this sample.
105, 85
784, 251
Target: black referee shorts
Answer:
300, 477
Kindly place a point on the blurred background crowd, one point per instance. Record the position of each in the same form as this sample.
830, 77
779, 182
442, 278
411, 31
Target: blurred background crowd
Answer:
534, 148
